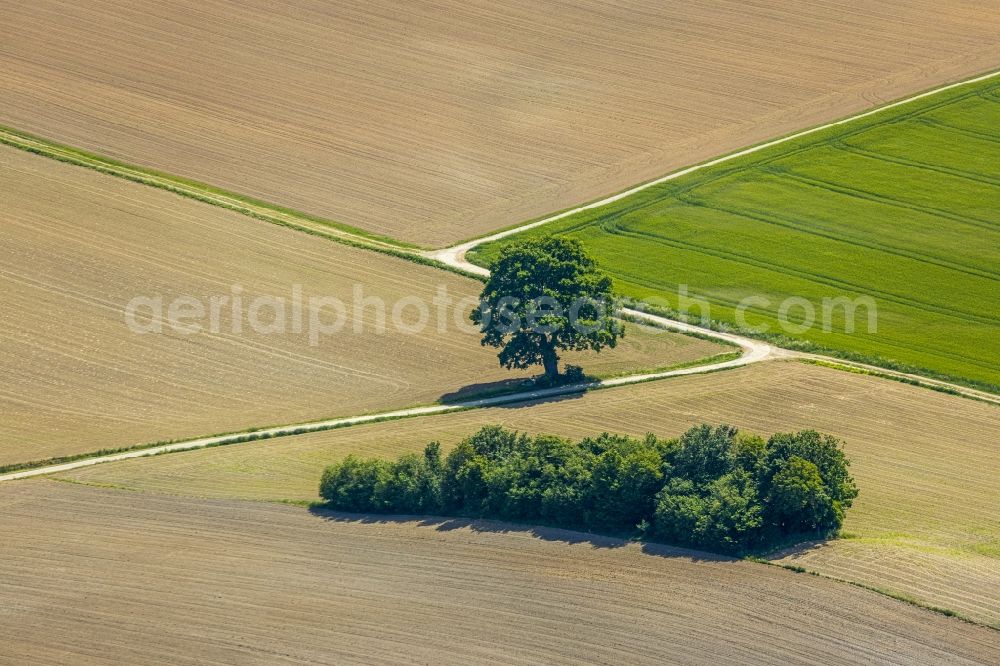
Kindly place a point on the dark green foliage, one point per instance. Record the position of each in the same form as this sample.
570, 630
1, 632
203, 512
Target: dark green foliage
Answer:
806, 481
711, 499
712, 488
350, 484
705, 453
574, 374
625, 475
823, 451
544, 296
411, 484
474, 470
736, 494
798, 499
724, 514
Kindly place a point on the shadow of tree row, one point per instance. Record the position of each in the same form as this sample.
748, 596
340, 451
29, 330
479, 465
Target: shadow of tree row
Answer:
485, 526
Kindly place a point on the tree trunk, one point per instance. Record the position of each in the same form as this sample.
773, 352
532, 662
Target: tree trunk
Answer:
550, 361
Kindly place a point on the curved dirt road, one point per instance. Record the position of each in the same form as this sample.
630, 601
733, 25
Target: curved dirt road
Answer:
752, 354
754, 350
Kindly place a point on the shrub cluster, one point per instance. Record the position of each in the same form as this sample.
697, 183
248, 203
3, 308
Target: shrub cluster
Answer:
713, 488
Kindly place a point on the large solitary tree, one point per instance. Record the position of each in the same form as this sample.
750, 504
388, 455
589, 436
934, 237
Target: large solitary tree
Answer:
543, 296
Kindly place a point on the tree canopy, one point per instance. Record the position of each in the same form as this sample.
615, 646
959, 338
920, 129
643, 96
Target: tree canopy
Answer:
543, 296
713, 488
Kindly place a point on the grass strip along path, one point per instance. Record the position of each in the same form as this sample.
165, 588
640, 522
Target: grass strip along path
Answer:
255, 208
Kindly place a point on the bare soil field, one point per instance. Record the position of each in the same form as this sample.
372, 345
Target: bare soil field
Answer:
78, 246
926, 525
441, 120
107, 576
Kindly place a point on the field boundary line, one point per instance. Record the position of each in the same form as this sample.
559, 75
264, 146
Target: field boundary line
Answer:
757, 350
210, 195
902, 598
459, 250
202, 192
857, 367
759, 353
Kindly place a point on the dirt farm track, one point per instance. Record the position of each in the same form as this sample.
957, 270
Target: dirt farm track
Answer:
78, 245
446, 119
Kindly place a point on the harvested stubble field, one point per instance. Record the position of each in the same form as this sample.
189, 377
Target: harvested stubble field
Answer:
106, 576
926, 525
78, 246
900, 208
439, 120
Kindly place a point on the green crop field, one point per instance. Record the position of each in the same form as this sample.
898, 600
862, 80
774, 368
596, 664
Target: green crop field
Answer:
902, 207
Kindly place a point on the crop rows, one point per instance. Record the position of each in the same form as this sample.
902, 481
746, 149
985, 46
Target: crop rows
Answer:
899, 208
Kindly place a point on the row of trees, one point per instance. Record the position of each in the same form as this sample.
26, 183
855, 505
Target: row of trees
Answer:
713, 488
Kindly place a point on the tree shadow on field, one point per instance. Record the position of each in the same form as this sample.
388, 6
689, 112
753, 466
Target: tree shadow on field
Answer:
793, 550
544, 533
488, 389
509, 387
